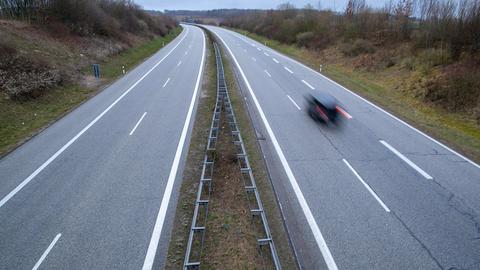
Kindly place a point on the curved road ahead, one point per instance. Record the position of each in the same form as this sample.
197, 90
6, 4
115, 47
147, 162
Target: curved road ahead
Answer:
373, 194
98, 189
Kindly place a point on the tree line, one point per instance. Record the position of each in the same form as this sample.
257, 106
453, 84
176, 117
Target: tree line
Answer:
87, 17
453, 25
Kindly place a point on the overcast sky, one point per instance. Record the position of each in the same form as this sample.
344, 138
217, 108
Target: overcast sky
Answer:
259, 4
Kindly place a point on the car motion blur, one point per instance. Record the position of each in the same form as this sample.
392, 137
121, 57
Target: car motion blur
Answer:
325, 108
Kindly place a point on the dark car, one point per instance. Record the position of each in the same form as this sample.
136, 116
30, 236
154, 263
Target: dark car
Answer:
323, 107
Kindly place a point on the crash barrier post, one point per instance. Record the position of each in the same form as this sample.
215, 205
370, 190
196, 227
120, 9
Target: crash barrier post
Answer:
197, 228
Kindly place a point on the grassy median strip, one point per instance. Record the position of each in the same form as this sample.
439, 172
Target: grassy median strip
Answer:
22, 119
230, 237
259, 169
454, 129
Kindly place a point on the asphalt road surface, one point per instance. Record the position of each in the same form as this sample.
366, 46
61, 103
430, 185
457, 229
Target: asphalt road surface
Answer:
98, 189
374, 193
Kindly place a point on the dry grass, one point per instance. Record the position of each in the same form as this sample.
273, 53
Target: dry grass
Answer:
230, 241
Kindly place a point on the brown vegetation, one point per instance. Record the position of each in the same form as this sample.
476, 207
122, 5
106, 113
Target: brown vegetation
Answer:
439, 39
20, 76
68, 35
87, 17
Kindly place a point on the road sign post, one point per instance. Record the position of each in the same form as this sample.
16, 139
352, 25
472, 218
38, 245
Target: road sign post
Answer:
96, 71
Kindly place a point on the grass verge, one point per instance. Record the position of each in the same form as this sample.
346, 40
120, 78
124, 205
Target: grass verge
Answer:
112, 66
454, 129
20, 120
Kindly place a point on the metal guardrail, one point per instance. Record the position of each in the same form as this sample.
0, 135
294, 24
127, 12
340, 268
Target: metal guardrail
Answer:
197, 229
253, 197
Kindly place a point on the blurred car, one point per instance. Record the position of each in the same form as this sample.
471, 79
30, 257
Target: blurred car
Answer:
324, 108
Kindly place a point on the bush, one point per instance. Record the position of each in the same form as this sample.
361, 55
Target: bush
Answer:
434, 57
408, 63
457, 88
305, 39
28, 84
89, 17
24, 78
359, 46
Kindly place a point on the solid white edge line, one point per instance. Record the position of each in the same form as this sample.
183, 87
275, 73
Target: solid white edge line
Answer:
72, 140
138, 123
287, 69
327, 256
45, 253
309, 85
408, 161
162, 212
369, 102
367, 186
268, 73
294, 103
165, 84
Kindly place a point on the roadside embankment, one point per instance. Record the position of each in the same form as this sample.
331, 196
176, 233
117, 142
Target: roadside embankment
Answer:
45, 73
385, 78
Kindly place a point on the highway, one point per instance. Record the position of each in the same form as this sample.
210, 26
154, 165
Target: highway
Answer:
374, 193
98, 188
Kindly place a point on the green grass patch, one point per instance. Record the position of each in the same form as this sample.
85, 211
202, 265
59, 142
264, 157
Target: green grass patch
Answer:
19, 120
455, 129
112, 66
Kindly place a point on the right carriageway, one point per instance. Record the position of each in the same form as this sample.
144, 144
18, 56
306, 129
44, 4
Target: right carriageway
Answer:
372, 193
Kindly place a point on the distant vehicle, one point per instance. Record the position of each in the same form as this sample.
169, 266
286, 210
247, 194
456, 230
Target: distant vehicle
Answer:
324, 108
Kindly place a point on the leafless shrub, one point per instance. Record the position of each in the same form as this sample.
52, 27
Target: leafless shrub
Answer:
443, 34
305, 39
359, 46
457, 88
89, 17
24, 78
444, 24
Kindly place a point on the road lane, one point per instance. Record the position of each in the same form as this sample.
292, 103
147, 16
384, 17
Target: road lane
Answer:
104, 191
432, 224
